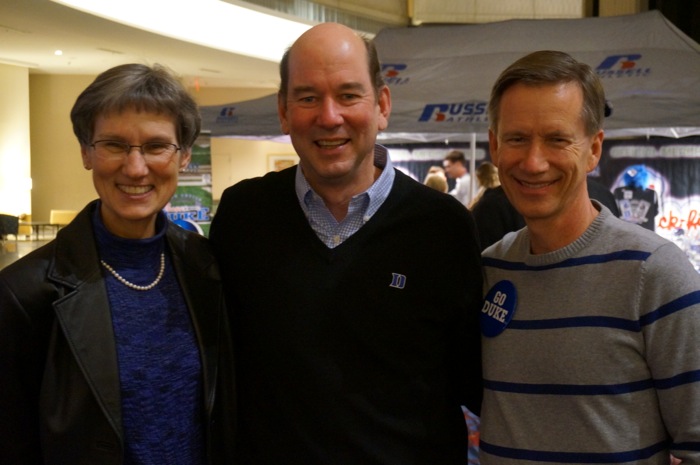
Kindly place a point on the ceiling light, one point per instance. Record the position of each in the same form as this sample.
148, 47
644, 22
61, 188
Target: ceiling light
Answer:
221, 25
58, 53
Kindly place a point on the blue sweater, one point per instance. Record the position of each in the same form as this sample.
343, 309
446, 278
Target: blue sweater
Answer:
159, 366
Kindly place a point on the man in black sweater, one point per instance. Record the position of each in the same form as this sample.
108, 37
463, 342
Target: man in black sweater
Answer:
354, 290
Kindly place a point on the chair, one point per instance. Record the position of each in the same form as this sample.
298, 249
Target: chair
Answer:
61, 217
25, 229
9, 224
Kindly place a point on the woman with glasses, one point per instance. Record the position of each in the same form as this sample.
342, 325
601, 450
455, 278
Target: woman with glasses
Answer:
114, 343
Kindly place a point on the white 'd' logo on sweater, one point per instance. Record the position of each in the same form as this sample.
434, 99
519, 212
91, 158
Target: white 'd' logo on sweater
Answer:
398, 280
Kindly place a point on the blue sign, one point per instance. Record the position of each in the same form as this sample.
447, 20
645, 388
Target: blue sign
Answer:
498, 309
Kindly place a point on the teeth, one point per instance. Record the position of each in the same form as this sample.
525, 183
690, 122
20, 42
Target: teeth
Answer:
330, 143
134, 190
535, 186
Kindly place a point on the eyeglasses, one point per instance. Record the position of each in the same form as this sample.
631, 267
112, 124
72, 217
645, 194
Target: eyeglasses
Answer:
152, 152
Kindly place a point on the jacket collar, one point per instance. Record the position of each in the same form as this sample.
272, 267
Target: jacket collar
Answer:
84, 316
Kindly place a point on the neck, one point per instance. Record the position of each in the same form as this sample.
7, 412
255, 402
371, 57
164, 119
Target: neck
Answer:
550, 234
337, 195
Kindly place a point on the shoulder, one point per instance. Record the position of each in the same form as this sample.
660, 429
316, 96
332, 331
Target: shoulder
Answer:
25, 289
635, 237
190, 247
262, 186
630, 235
423, 199
252, 202
495, 195
30, 266
512, 244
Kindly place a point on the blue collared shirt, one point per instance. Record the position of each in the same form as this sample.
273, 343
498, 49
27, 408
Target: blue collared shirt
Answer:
362, 206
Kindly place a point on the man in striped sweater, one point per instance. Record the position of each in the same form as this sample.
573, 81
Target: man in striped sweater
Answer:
590, 325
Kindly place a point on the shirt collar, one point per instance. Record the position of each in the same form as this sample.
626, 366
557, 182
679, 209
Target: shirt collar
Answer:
377, 193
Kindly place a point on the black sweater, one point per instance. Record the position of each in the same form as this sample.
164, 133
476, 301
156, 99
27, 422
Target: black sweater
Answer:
336, 366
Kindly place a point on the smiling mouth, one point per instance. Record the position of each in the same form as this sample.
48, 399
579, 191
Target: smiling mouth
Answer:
535, 185
331, 143
134, 190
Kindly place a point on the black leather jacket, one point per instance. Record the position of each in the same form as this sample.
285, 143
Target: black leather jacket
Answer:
59, 385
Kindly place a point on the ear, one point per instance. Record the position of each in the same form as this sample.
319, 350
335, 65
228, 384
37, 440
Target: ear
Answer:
384, 101
185, 158
596, 150
282, 113
493, 147
87, 160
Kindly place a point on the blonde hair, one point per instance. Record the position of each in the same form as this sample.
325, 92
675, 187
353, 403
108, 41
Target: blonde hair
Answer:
487, 175
436, 181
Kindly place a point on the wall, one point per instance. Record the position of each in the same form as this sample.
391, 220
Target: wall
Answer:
236, 159
15, 173
59, 179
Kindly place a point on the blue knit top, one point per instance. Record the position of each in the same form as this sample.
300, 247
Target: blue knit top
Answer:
159, 364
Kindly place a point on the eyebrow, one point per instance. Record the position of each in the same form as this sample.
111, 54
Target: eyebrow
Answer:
344, 87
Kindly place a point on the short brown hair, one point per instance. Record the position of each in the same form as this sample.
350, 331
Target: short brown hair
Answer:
144, 88
456, 156
552, 67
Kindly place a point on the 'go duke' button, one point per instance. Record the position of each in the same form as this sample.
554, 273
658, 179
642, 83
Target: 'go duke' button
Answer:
498, 309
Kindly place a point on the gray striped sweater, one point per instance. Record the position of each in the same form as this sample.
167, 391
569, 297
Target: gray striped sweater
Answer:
600, 362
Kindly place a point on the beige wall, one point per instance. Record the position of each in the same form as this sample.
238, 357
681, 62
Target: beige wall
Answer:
237, 159
15, 181
234, 160
59, 179
61, 182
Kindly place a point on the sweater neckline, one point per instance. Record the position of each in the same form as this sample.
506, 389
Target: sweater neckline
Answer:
121, 252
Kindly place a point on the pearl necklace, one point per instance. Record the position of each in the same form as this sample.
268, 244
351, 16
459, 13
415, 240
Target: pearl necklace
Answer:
121, 279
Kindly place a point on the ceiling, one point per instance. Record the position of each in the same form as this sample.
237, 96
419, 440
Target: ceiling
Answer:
31, 30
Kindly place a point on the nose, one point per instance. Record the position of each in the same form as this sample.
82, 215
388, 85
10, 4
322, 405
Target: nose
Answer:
330, 113
135, 164
534, 160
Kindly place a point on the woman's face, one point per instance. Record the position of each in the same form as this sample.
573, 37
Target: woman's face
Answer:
133, 189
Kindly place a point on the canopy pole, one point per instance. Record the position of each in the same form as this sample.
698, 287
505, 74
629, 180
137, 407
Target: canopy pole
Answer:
472, 168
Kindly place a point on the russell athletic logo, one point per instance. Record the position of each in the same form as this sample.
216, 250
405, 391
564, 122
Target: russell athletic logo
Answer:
391, 72
227, 115
621, 66
459, 112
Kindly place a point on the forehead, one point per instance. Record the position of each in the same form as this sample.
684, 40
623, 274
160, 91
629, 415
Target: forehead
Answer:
546, 94
131, 119
530, 104
342, 60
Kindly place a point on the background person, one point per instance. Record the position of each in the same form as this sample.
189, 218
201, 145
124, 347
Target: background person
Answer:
354, 344
596, 358
455, 165
487, 176
114, 342
436, 179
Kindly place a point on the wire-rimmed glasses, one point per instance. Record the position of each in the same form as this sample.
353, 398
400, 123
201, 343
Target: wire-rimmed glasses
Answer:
153, 152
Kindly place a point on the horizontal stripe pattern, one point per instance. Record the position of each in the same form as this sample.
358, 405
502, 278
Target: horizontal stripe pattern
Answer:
636, 255
670, 308
577, 322
599, 362
573, 457
594, 389
569, 389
